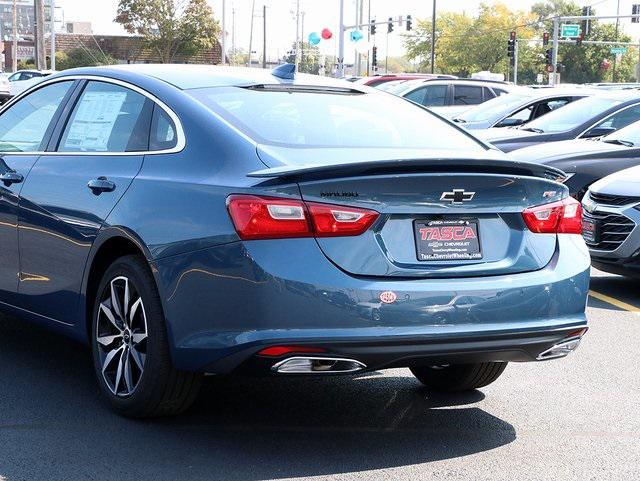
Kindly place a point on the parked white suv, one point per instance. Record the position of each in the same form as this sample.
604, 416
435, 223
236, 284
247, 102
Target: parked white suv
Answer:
23, 79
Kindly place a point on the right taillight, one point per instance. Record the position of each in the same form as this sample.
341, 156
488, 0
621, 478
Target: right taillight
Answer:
256, 217
561, 217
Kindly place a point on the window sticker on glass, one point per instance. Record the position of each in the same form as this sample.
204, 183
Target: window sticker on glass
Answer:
94, 120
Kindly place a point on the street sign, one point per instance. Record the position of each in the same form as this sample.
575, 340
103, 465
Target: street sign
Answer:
570, 31
619, 50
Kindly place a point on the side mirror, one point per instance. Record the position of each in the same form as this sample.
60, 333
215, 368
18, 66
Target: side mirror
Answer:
598, 132
510, 122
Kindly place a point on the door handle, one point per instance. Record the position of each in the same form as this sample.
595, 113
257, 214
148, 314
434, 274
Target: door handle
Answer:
100, 185
11, 178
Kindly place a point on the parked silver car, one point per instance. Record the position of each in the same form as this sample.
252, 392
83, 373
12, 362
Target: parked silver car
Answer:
611, 222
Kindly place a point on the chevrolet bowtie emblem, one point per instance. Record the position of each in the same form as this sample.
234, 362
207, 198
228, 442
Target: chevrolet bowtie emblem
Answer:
457, 196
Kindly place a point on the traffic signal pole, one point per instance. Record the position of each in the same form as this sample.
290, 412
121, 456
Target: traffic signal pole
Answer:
556, 35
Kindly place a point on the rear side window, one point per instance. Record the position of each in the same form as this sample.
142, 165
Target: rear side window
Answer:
23, 125
467, 95
163, 131
435, 96
108, 118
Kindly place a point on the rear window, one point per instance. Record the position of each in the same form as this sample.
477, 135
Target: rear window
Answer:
321, 119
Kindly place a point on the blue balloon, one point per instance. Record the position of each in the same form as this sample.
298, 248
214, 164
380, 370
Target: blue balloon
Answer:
314, 38
356, 35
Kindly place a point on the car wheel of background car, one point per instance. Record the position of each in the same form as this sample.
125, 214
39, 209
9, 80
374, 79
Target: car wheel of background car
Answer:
460, 377
130, 347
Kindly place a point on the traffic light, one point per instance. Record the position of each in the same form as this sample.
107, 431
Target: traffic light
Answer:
548, 56
545, 38
409, 23
586, 24
390, 25
579, 39
374, 57
372, 28
511, 45
635, 10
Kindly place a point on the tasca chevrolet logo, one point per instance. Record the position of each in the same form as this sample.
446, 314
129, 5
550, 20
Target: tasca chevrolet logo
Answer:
457, 196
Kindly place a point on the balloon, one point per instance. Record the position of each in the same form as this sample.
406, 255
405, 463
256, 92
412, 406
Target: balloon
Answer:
356, 35
314, 38
326, 33
363, 47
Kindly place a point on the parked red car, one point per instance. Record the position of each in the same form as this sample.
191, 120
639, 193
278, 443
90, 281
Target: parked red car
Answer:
380, 79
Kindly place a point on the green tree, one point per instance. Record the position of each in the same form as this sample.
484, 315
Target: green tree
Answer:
310, 57
170, 28
81, 57
467, 44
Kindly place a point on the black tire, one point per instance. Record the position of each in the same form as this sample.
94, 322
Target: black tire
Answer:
459, 377
160, 389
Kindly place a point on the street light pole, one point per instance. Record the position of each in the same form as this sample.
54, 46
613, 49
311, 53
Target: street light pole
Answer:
340, 66
433, 37
14, 51
53, 35
223, 42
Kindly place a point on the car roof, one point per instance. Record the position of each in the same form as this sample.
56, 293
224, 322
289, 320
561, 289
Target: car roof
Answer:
189, 76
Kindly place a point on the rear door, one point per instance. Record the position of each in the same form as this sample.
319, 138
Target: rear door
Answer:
25, 127
95, 153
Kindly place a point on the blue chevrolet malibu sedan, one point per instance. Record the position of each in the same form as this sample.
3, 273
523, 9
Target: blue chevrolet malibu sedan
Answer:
187, 220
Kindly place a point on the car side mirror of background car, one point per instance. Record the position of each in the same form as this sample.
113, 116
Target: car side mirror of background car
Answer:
598, 132
510, 122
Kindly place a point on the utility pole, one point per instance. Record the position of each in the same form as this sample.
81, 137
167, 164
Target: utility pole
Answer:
302, 38
264, 36
41, 62
433, 37
253, 6
615, 57
340, 59
53, 34
554, 51
369, 39
14, 51
515, 64
223, 40
297, 47
359, 18
233, 33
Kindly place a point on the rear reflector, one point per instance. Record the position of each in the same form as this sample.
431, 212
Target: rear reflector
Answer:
275, 351
257, 217
561, 217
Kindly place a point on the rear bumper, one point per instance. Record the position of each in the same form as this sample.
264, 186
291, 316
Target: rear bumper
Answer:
225, 304
390, 352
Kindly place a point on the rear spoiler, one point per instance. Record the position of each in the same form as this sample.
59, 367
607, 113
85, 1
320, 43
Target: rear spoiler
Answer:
381, 167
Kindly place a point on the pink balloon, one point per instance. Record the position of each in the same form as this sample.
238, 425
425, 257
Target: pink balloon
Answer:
326, 33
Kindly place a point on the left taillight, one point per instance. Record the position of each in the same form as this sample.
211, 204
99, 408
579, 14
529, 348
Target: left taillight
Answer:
561, 217
257, 217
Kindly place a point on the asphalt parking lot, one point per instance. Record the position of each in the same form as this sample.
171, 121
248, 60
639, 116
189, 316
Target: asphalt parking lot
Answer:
577, 418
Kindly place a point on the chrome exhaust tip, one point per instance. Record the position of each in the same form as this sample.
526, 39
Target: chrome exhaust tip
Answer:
317, 365
559, 350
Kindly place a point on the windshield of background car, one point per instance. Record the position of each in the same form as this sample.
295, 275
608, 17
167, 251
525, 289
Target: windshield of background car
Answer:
572, 115
501, 105
630, 133
297, 117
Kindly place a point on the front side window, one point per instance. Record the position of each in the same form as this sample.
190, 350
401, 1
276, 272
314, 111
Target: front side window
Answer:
573, 115
622, 118
467, 95
107, 118
23, 126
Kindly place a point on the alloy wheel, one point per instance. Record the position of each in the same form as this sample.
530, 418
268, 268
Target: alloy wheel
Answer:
121, 336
